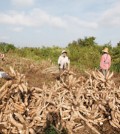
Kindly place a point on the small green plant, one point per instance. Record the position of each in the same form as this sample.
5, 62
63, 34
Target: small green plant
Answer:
52, 130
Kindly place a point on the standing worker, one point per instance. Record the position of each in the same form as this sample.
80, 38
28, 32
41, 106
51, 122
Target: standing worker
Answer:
105, 61
63, 62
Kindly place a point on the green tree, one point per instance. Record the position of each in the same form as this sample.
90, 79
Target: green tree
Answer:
116, 59
118, 44
87, 41
6, 47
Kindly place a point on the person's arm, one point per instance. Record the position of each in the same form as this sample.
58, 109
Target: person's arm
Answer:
109, 61
2, 56
102, 62
59, 61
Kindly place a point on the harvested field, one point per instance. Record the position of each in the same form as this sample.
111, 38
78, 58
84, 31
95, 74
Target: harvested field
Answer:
87, 104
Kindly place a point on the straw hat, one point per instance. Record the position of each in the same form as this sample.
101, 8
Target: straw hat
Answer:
64, 51
105, 50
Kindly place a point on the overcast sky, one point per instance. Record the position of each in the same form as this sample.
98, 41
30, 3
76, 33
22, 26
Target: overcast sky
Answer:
58, 22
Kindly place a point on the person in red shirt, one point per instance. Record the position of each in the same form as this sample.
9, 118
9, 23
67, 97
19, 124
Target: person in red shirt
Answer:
105, 61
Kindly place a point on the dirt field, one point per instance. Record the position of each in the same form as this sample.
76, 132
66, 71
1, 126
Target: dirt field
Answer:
36, 78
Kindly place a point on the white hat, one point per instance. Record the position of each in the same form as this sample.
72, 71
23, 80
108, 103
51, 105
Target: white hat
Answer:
64, 51
105, 50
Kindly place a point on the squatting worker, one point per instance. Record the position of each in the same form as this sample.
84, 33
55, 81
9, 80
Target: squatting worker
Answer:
3, 74
105, 61
63, 61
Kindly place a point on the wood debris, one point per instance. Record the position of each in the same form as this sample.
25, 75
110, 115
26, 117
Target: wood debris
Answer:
73, 104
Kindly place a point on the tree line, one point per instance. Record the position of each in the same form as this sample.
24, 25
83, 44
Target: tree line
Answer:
83, 53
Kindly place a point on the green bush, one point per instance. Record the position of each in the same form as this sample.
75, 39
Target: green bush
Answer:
84, 57
116, 59
5, 47
83, 53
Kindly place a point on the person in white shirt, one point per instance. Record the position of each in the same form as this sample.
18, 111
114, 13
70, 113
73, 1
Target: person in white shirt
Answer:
5, 76
63, 61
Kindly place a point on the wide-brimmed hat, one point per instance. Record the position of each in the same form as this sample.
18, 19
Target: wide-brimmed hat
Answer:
64, 51
105, 50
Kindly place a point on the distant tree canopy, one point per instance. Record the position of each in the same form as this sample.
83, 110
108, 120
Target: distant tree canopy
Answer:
5, 47
87, 41
83, 53
118, 44
86, 53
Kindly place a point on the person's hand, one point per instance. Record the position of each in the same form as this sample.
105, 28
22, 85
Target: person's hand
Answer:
2, 56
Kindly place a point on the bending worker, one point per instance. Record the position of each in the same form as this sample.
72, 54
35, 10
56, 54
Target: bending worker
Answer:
63, 61
3, 74
105, 61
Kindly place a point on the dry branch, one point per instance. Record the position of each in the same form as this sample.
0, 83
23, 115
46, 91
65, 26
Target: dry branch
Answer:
80, 101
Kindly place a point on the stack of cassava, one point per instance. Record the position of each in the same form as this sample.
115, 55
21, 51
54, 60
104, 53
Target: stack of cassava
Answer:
69, 104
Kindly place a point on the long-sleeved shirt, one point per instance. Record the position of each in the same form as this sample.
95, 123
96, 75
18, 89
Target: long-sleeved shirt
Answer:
105, 61
63, 62
4, 75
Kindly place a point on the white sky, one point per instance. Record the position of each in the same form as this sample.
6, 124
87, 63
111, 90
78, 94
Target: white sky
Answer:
58, 22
